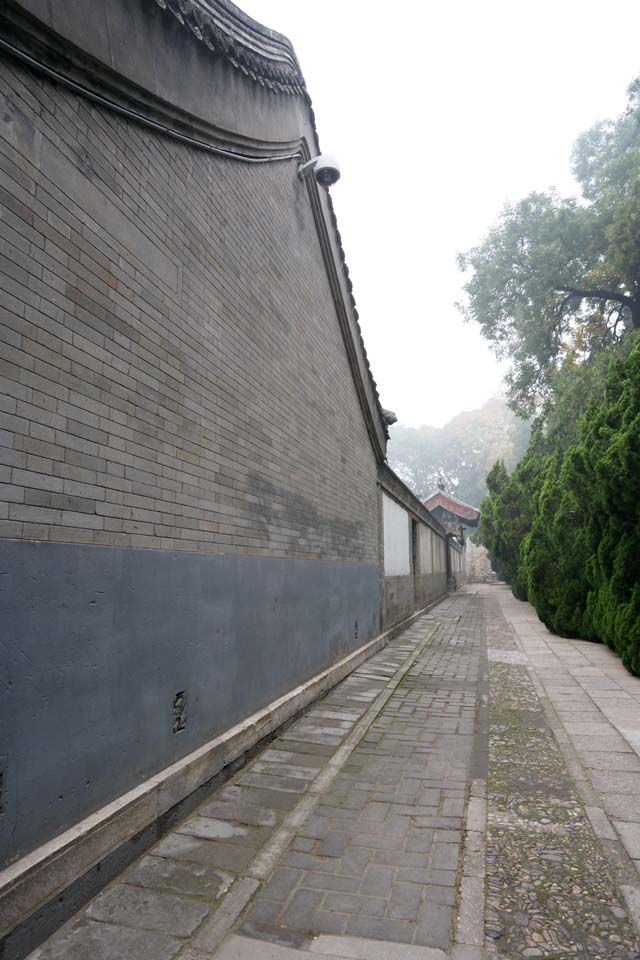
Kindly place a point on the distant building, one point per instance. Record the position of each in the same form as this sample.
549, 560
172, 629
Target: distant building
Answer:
452, 512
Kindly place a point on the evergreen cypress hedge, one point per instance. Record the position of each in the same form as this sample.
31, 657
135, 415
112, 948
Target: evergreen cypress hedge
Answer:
564, 528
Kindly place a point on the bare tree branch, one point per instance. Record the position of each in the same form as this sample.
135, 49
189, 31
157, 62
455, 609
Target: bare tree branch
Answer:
597, 294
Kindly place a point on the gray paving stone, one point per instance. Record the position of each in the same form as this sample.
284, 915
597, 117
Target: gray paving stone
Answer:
588, 729
260, 914
240, 812
245, 948
190, 879
316, 828
448, 836
86, 939
276, 754
439, 894
319, 750
434, 926
273, 782
349, 716
145, 909
282, 883
429, 797
310, 726
329, 922
353, 904
375, 811
444, 878
257, 797
600, 823
612, 761
333, 844
377, 880
227, 856
190, 953
300, 909
443, 823
376, 841
444, 856
452, 808
303, 844
275, 769
613, 743
397, 858
405, 901
386, 928
392, 826
396, 825
307, 861
308, 737
354, 861
616, 781
331, 881
356, 800
419, 841
622, 806
209, 828
460, 952
361, 948
630, 835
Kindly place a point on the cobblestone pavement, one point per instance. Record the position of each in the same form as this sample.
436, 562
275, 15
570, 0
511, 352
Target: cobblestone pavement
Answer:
555, 890
434, 804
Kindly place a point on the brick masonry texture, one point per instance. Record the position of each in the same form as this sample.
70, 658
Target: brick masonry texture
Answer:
172, 371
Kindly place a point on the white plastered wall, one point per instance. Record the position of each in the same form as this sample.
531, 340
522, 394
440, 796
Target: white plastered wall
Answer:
397, 542
426, 554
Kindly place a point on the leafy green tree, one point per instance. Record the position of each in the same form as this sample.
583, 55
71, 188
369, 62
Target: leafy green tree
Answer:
507, 514
489, 523
556, 287
558, 279
461, 452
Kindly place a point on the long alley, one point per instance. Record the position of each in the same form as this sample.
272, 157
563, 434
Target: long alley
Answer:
471, 791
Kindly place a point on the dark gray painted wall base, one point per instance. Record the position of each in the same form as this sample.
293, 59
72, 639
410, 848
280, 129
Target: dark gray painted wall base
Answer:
96, 642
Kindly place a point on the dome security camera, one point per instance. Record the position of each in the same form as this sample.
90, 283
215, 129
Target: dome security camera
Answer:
325, 169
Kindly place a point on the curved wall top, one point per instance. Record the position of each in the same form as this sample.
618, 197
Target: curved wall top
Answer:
201, 58
205, 70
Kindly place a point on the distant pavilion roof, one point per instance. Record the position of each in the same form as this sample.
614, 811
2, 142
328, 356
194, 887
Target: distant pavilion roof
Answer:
446, 500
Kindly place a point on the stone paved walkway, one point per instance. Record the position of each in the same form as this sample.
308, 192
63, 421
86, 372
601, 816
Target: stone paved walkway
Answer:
469, 792
552, 892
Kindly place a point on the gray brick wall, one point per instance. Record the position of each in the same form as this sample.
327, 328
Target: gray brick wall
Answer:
172, 372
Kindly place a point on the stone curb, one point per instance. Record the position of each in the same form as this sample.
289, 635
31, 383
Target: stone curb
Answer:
468, 939
469, 928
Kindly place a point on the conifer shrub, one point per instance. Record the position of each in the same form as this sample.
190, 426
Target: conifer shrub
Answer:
564, 528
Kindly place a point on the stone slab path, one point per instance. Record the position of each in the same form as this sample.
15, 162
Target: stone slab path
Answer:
469, 792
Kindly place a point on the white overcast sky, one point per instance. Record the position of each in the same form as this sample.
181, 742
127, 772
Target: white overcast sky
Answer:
438, 113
